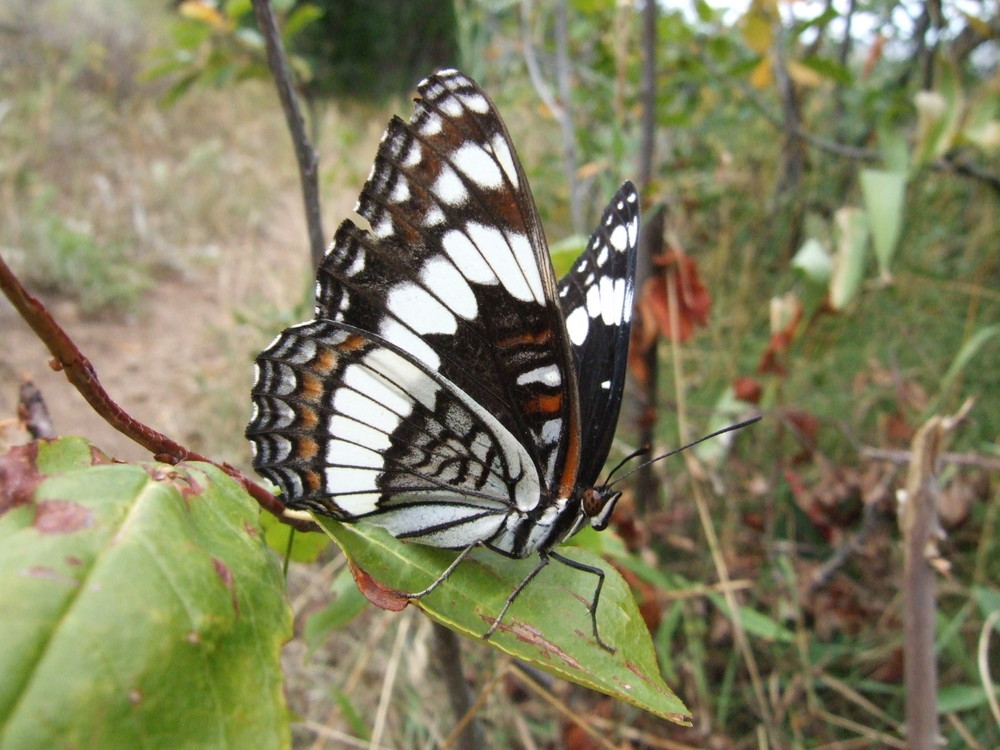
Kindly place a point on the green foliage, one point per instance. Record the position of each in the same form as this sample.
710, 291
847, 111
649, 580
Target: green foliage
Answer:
371, 50
346, 49
140, 607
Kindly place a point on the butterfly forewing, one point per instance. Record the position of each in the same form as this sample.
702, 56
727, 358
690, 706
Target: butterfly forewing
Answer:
596, 298
455, 269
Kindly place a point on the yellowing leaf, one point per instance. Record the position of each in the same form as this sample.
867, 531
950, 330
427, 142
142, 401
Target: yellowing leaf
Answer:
849, 260
209, 14
802, 74
758, 32
762, 75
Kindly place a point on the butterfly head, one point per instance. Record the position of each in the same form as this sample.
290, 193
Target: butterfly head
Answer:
598, 503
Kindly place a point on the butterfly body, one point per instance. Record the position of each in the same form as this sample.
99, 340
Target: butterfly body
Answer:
448, 388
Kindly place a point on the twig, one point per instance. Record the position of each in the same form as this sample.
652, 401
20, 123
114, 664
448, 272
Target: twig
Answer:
304, 152
468, 734
920, 527
82, 375
564, 81
33, 412
870, 518
896, 456
982, 657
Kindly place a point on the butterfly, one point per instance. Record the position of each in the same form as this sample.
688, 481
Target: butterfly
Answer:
449, 389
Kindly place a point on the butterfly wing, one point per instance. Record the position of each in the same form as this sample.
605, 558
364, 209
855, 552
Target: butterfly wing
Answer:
596, 297
436, 334
351, 426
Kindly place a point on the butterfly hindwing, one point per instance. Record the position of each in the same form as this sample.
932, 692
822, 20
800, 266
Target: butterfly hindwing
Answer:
596, 298
352, 427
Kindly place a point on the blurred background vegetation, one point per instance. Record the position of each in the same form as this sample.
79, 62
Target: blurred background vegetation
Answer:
830, 168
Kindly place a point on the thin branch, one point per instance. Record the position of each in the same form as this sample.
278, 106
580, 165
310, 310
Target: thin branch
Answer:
82, 375
33, 412
304, 152
919, 523
564, 80
896, 456
448, 654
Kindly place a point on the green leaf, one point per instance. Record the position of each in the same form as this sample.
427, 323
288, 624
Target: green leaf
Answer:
988, 600
884, 193
830, 69
814, 261
306, 547
968, 350
756, 623
140, 607
849, 260
300, 17
347, 604
548, 625
939, 115
954, 698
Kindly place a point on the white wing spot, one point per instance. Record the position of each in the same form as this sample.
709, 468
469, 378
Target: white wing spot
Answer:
423, 311
383, 227
503, 153
467, 258
398, 334
413, 156
451, 106
400, 192
476, 102
431, 125
548, 375
494, 247
619, 238
577, 325
525, 257
602, 257
594, 300
433, 217
449, 188
472, 161
444, 280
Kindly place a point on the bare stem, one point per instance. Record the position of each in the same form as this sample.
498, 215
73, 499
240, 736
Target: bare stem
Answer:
82, 375
304, 152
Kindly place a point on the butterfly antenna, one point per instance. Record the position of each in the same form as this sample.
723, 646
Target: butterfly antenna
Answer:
634, 454
730, 428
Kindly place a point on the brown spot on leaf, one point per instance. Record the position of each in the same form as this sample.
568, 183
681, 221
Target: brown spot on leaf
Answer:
19, 476
61, 517
222, 570
48, 574
226, 576
533, 636
383, 597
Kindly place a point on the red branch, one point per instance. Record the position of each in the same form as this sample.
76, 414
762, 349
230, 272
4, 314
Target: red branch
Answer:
68, 358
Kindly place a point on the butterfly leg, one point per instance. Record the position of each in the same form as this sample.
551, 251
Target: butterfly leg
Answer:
597, 592
543, 561
447, 572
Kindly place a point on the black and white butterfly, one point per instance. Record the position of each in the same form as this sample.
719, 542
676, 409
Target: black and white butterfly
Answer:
449, 389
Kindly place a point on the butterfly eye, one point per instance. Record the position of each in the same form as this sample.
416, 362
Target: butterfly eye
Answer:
598, 505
